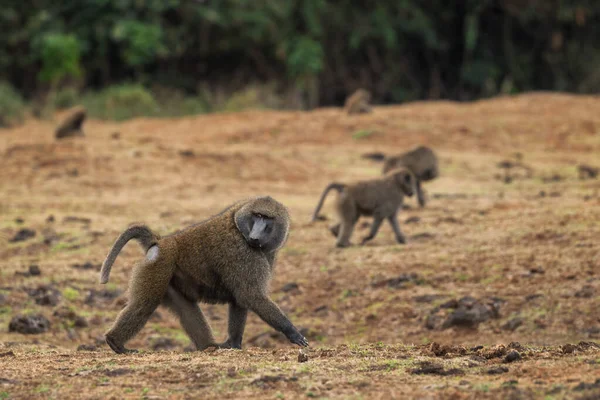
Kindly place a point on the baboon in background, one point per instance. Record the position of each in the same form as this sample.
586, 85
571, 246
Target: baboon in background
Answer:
380, 198
72, 125
421, 160
358, 102
228, 258
587, 171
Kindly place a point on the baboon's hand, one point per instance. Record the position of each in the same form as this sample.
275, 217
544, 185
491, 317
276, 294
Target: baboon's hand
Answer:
297, 338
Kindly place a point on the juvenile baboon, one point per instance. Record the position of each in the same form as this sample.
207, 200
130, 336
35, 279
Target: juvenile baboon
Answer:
587, 171
358, 102
228, 258
421, 160
72, 125
380, 198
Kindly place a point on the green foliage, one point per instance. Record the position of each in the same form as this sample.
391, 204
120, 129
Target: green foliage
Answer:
70, 294
400, 50
121, 102
60, 55
65, 98
11, 105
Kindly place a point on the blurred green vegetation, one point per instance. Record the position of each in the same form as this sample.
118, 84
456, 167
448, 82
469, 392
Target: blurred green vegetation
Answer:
288, 54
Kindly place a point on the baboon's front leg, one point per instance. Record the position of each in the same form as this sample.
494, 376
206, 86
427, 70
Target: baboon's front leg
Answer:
400, 238
237, 324
420, 194
374, 228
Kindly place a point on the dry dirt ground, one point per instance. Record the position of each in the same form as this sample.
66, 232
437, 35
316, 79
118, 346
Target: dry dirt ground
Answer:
496, 295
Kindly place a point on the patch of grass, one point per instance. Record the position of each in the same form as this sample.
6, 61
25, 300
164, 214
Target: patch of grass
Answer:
70, 294
362, 134
12, 106
42, 389
4, 395
121, 102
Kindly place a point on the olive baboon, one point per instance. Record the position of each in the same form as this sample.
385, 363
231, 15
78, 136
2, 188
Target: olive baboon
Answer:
421, 160
358, 102
228, 258
72, 125
380, 198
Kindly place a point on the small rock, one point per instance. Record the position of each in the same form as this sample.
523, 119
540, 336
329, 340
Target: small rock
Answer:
29, 324
22, 235
34, 270
512, 356
115, 135
586, 292
86, 266
19, 220
87, 347
302, 356
568, 348
587, 386
45, 295
412, 220
288, 287
513, 324
50, 218
497, 370
187, 153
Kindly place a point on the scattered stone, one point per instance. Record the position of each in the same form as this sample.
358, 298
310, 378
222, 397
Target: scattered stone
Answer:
34, 270
29, 324
68, 314
50, 219
87, 347
497, 370
72, 125
476, 348
375, 156
586, 292
302, 356
104, 295
288, 287
467, 312
115, 135
187, 153
429, 368
19, 220
587, 386
441, 350
22, 235
9, 353
87, 266
117, 371
72, 218
533, 296
412, 220
398, 282
512, 356
428, 298
497, 351
513, 324
568, 348
164, 343
45, 295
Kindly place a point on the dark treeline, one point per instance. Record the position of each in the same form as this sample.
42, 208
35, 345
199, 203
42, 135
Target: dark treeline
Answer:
398, 49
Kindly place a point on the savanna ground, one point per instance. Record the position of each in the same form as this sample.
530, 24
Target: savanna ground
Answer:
492, 269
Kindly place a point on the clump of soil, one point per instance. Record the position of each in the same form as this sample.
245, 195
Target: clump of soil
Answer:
45, 295
29, 324
68, 314
466, 312
429, 368
22, 235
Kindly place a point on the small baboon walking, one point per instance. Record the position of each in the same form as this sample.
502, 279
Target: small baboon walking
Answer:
380, 198
228, 258
358, 102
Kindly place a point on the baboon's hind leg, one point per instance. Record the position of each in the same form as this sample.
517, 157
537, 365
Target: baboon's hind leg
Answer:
191, 318
148, 286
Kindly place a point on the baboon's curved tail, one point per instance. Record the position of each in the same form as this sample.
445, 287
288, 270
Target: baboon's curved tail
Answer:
141, 233
375, 156
337, 186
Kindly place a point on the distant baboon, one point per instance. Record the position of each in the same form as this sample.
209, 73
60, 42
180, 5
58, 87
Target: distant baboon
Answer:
587, 171
358, 102
380, 198
228, 258
72, 125
421, 160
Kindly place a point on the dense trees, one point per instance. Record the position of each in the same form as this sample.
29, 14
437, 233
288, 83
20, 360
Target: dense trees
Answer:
399, 49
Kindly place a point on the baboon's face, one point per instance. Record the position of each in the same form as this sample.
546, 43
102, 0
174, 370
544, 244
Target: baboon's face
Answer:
406, 181
263, 224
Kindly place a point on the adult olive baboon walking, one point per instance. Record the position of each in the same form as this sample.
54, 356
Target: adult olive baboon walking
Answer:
228, 258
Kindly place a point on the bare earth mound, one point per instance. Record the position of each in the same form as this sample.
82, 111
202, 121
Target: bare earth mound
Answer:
489, 264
